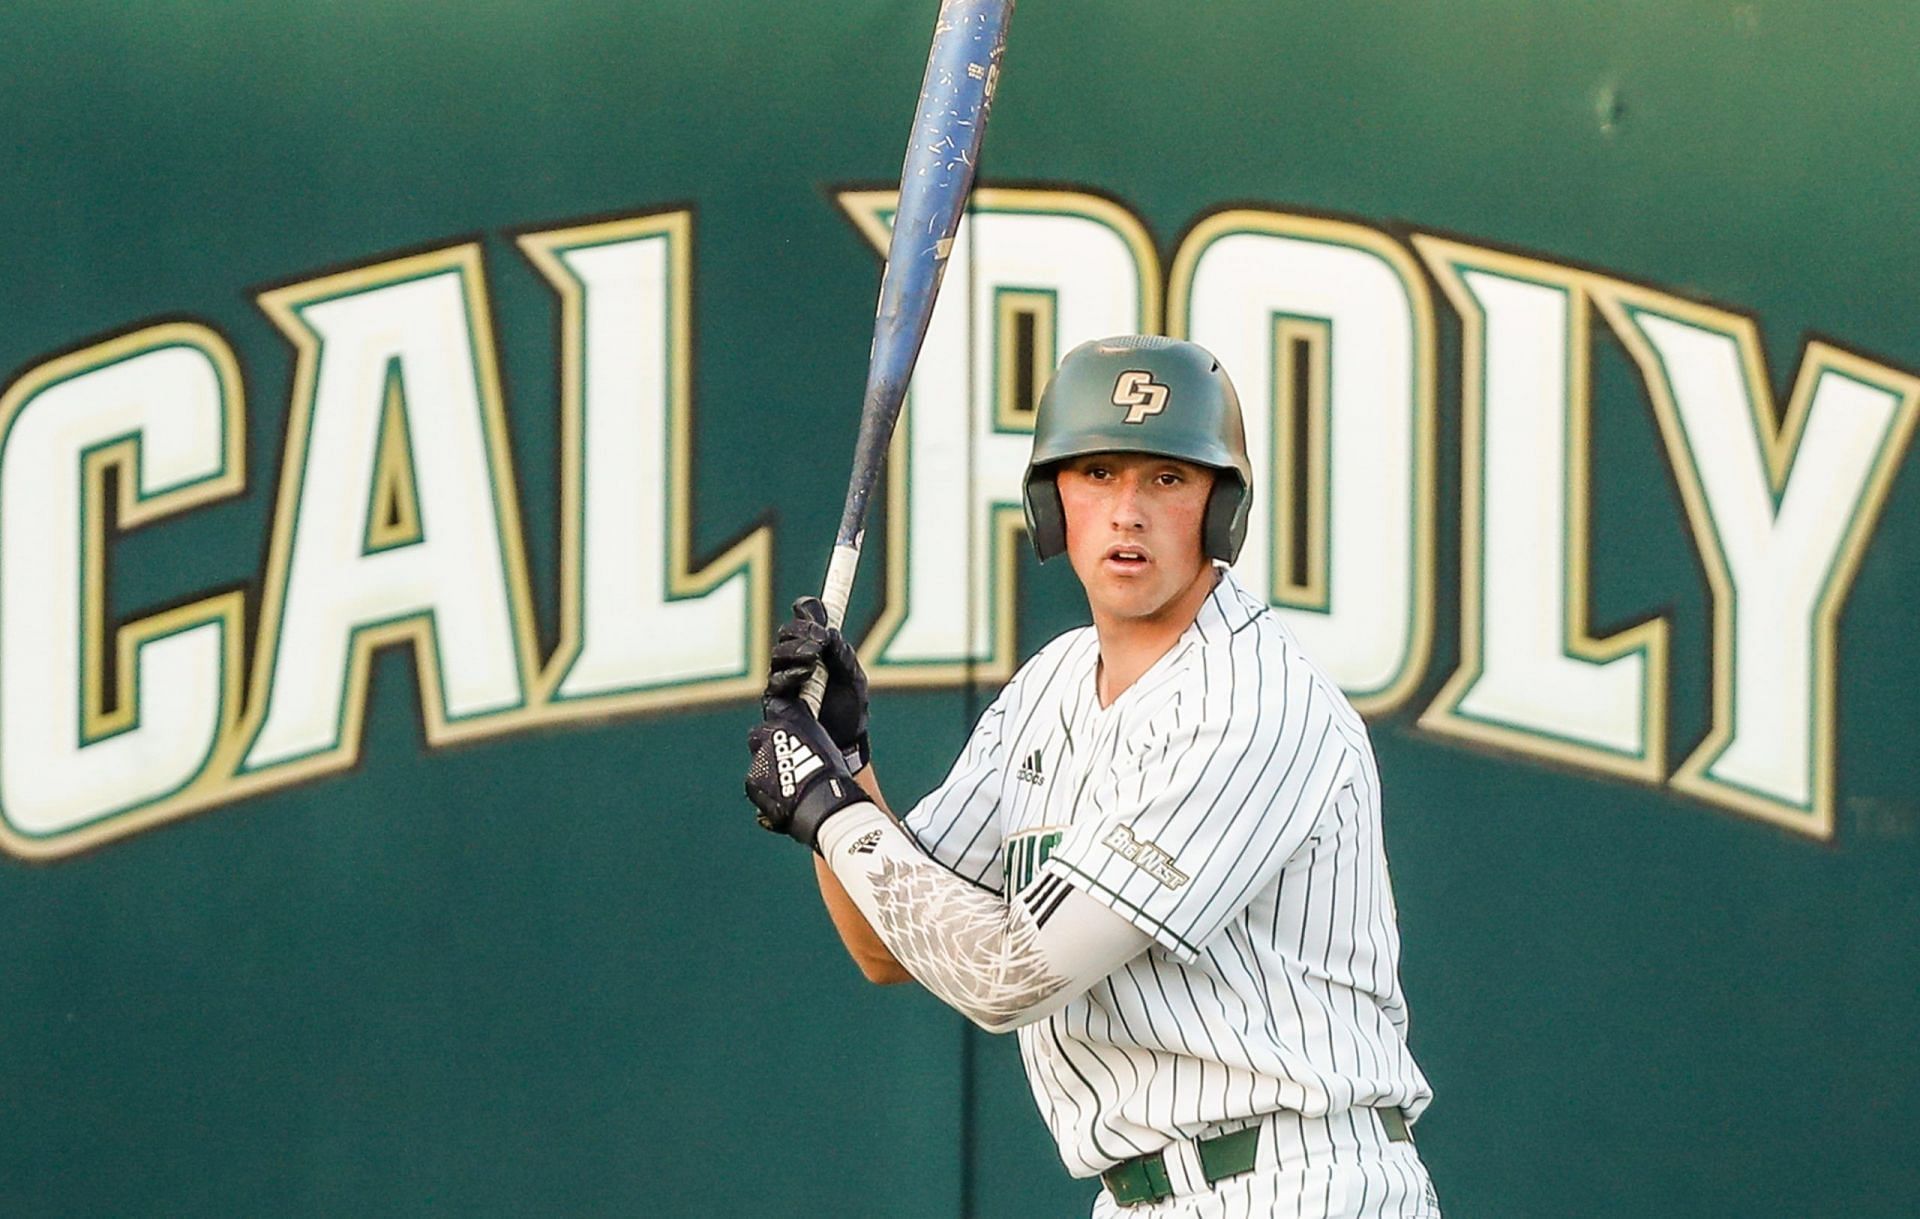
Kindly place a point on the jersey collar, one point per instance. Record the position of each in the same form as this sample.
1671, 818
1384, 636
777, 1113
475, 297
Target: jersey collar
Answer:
1227, 609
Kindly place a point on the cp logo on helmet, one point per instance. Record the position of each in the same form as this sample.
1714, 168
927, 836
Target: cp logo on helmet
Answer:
1137, 389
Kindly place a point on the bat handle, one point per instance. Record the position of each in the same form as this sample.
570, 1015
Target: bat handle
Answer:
836, 593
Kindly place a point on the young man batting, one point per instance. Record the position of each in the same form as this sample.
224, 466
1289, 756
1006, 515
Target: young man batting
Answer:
1159, 857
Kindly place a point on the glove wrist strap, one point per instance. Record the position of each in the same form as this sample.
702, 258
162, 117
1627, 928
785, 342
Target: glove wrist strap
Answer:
821, 800
857, 755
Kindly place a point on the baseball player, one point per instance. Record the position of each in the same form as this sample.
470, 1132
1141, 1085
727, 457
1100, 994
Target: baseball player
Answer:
1159, 857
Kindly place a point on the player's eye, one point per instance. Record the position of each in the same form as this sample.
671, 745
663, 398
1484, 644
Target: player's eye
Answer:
1171, 478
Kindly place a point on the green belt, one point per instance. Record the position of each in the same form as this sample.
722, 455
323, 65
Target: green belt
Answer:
1144, 1179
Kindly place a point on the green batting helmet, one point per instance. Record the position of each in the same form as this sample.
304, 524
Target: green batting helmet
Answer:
1141, 394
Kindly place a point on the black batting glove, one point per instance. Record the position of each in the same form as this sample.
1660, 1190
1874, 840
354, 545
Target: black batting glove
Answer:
797, 778
805, 641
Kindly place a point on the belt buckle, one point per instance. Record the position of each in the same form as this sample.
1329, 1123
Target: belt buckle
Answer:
1143, 1179
1139, 1181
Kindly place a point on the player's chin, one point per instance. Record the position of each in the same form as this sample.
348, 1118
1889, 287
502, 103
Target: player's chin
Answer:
1129, 598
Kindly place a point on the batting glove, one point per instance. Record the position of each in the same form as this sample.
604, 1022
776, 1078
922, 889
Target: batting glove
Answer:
806, 641
797, 778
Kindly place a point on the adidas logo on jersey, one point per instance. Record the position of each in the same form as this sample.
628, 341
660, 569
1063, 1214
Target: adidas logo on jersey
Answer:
1146, 856
865, 843
794, 761
1030, 770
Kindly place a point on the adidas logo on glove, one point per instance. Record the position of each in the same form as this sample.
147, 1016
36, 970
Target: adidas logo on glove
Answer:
794, 760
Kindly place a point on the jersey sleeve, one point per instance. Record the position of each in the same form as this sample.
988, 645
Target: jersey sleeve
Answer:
958, 823
1217, 793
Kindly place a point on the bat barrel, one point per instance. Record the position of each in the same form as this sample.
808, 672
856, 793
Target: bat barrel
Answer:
962, 69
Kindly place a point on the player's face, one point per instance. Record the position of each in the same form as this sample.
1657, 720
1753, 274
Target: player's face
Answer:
1133, 532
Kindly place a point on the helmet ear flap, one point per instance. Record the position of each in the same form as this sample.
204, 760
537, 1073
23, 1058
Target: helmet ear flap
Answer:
1046, 518
1224, 529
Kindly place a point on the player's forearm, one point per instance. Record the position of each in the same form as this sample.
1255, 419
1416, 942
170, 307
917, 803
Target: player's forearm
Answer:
866, 948
996, 962
871, 785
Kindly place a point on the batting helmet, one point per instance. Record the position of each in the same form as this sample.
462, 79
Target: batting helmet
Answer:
1141, 394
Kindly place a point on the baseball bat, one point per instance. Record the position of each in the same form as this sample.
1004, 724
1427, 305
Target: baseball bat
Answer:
963, 66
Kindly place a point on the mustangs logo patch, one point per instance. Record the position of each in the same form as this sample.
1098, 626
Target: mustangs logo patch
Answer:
1023, 853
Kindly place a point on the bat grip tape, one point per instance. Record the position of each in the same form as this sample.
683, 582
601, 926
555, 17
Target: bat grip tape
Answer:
835, 595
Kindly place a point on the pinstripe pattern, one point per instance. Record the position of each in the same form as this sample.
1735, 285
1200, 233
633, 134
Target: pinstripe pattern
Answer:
1228, 805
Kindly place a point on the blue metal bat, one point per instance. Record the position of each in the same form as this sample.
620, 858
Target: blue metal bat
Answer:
963, 67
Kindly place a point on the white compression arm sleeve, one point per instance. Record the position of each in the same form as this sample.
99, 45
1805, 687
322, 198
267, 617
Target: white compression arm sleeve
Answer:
1000, 963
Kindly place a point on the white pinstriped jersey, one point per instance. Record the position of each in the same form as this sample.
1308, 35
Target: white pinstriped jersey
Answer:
1227, 804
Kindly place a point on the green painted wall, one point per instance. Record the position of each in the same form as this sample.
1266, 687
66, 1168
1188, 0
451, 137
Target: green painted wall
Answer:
560, 972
